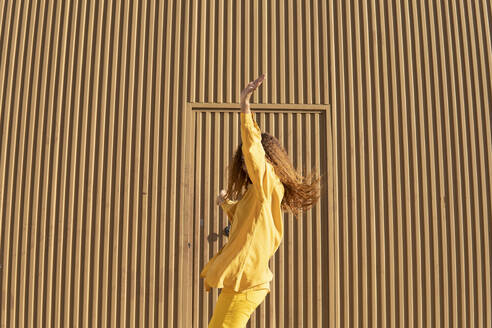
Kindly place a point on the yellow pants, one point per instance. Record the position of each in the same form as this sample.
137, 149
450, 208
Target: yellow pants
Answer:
233, 309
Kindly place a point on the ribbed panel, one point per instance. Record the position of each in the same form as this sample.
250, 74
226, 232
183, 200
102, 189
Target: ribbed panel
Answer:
413, 161
90, 163
95, 215
233, 42
299, 291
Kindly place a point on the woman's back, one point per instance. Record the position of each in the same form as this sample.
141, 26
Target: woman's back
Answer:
257, 226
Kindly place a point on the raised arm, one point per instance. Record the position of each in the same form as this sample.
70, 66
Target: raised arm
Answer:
248, 91
253, 152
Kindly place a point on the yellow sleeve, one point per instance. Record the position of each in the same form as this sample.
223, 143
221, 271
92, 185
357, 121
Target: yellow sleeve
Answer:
253, 152
229, 207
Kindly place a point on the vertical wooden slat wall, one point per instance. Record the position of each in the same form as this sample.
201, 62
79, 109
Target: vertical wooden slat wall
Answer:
94, 218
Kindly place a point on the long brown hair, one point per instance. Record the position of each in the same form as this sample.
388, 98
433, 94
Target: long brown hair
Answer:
301, 192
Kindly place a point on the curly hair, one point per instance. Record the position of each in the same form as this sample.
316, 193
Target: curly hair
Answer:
301, 192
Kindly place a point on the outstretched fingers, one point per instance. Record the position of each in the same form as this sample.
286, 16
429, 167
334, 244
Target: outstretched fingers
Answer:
252, 86
259, 80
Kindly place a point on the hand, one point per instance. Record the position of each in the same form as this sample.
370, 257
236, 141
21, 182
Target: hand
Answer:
246, 93
221, 197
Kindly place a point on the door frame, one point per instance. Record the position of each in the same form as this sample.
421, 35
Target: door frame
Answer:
186, 248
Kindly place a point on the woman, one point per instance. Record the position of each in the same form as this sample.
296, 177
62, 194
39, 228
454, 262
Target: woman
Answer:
262, 167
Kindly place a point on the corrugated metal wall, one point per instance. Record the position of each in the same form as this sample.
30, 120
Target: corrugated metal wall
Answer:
412, 99
95, 223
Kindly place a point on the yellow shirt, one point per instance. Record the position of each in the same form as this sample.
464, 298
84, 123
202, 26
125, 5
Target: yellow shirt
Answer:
256, 223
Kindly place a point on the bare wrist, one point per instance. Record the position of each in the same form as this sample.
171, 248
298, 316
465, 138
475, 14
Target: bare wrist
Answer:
245, 108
